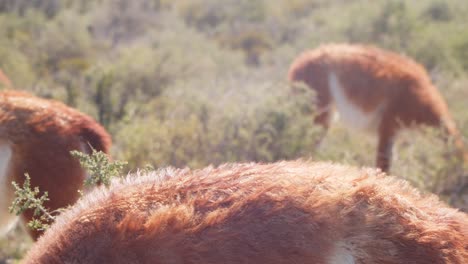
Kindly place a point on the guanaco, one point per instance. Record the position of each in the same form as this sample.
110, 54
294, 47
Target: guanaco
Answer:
36, 137
374, 90
284, 212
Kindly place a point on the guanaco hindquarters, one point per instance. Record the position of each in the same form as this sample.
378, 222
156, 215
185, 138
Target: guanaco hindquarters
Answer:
36, 137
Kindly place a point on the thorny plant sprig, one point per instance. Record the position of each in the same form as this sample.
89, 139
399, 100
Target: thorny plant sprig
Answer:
28, 198
100, 169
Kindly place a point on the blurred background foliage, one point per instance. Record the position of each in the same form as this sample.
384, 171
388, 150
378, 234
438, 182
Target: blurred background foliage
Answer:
198, 82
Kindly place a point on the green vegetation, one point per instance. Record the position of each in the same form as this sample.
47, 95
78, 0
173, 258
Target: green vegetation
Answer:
198, 82
100, 169
27, 198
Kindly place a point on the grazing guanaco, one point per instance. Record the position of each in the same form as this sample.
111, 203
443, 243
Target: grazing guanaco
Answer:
284, 212
373, 90
36, 137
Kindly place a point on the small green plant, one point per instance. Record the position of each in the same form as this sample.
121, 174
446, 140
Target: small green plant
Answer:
28, 198
98, 165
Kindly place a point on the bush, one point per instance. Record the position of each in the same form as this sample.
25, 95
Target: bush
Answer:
211, 128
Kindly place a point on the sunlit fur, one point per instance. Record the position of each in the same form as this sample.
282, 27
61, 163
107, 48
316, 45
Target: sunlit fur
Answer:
285, 212
36, 137
374, 90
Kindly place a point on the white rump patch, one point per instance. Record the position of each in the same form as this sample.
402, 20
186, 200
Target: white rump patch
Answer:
7, 220
342, 255
351, 114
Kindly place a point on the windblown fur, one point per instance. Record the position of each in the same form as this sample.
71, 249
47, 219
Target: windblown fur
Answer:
285, 212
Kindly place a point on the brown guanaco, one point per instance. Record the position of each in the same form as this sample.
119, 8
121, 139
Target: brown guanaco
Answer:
284, 212
374, 90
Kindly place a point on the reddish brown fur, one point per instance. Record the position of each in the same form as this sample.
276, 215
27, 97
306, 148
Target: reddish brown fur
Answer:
285, 212
398, 89
41, 134
4, 80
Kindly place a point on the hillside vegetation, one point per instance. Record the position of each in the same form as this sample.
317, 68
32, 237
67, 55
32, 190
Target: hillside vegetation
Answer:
198, 82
